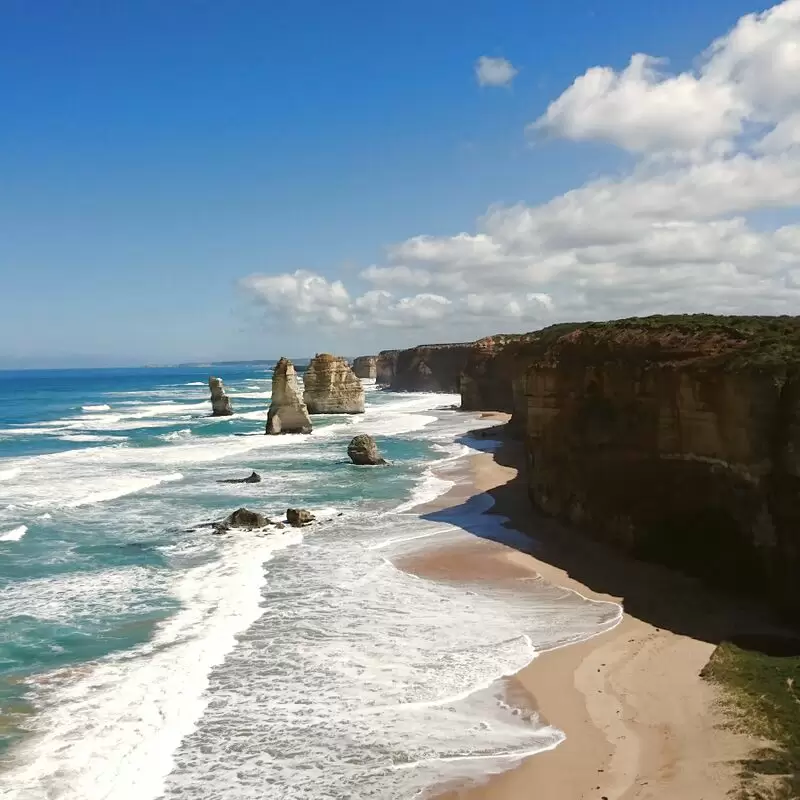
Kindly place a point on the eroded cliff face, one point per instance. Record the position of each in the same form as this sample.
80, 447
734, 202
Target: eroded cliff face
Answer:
494, 373
430, 368
331, 387
385, 366
220, 402
366, 367
677, 439
287, 411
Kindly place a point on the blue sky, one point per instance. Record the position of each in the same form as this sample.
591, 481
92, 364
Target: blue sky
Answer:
153, 154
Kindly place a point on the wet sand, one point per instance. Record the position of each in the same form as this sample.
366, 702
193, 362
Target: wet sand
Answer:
640, 721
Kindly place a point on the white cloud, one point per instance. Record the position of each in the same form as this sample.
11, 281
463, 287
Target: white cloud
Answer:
750, 76
674, 235
494, 71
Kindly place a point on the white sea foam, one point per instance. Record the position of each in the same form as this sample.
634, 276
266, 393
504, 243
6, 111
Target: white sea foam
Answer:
102, 407
113, 732
324, 695
14, 535
196, 383
90, 437
183, 433
121, 486
10, 473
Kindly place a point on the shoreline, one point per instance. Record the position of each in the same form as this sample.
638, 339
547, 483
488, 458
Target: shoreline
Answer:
639, 720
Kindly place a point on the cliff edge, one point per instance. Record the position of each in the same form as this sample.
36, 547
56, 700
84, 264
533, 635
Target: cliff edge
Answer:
676, 438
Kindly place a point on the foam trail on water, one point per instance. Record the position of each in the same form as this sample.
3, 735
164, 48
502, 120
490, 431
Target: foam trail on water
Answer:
101, 407
14, 535
122, 487
112, 733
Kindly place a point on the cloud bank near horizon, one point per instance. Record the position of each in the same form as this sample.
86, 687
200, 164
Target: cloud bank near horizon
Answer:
714, 147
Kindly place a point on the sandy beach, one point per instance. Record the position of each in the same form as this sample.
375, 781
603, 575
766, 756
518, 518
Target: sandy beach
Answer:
640, 722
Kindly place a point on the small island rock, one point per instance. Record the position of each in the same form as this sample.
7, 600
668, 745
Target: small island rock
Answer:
253, 477
220, 402
363, 451
298, 517
242, 518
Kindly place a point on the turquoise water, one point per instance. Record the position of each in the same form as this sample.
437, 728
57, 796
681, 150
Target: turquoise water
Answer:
143, 657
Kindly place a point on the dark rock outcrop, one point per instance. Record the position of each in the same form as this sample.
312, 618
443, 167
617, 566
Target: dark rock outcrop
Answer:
385, 367
220, 402
366, 367
287, 411
299, 517
331, 387
430, 368
253, 477
363, 451
242, 518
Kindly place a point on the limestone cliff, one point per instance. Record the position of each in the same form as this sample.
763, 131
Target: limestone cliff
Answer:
331, 387
385, 365
287, 411
430, 368
220, 402
494, 373
677, 439
366, 367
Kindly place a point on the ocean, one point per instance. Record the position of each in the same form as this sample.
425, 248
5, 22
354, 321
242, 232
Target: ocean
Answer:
143, 657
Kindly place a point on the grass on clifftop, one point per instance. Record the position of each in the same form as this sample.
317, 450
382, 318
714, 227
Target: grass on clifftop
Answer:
763, 694
755, 341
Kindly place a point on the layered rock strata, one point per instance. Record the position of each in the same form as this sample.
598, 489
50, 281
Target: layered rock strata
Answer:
287, 411
331, 387
220, 402
366, 367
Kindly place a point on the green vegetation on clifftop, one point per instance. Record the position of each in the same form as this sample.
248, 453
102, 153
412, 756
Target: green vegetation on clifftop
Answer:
764, 700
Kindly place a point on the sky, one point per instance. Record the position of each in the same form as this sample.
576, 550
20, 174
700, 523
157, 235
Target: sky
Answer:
214, 179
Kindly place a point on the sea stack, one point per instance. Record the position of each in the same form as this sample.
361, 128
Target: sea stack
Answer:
220, 402
331, 387
287, 412
366, 367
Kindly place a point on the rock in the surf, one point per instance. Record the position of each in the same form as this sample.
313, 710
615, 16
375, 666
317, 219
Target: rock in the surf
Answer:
298, 517
242, 518
253, 477
287, 412
220, 402
363, 451
366, 367
331, 387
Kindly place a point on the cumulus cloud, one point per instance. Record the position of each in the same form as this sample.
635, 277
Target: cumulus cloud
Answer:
676, 234
494, 71
749, 76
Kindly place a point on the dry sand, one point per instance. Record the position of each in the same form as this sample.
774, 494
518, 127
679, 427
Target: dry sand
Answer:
639, 720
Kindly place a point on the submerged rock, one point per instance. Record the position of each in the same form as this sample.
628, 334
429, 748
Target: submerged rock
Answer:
331, 387
242, 518
298, 517
363, 451
253, 477
220, 402
287, 412
366, 367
